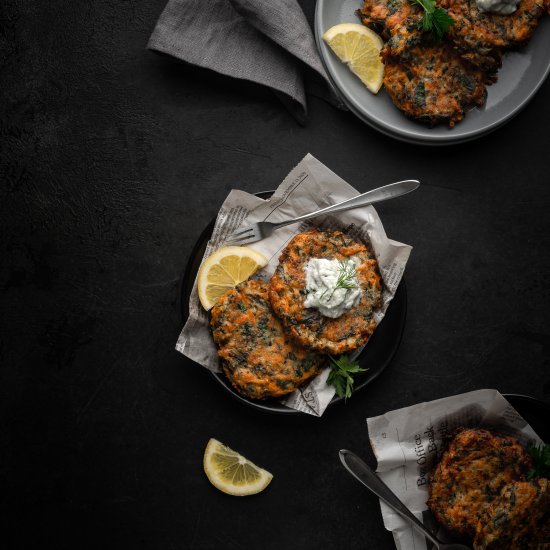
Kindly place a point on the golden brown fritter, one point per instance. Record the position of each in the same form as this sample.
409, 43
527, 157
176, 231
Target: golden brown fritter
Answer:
471, 474
517, 519
478, 38
288, 291
433, 84
396, 21
259, 359
481, 36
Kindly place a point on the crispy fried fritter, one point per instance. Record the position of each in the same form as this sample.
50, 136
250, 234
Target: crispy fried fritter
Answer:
471, 474
397, 22
288, 290
433, 84
517, 519
480, 36
257, 356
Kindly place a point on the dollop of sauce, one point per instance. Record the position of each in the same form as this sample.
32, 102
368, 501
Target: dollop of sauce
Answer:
332, 286
501, 7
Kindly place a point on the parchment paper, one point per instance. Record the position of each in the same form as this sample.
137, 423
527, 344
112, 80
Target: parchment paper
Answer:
405, 443
309, 187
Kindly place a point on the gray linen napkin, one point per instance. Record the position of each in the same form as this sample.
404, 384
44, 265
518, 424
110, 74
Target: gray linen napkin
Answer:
255, 40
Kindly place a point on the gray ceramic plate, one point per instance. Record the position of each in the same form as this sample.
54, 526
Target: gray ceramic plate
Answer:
521, 75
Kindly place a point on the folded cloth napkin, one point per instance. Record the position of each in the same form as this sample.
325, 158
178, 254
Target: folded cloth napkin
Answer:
255, 40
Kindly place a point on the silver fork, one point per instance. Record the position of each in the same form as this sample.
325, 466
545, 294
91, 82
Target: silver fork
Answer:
261, 230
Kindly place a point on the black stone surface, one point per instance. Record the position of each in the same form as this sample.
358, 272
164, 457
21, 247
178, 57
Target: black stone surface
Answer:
112, 161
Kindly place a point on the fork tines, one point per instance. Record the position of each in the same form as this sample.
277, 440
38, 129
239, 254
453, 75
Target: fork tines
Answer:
242, 236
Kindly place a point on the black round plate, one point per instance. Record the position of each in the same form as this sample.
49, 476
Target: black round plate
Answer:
376, 356
534, 411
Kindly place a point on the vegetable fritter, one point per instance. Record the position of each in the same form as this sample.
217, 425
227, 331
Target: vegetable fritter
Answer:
397, 22
478, 36
466, 61
518, 518
258, 358
433, 84
471, 474
288, 291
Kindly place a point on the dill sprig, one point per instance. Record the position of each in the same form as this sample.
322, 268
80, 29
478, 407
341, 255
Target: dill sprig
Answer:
346, 276
434, 19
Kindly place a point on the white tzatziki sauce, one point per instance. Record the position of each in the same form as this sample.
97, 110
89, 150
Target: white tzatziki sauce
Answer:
502, 7
332, 286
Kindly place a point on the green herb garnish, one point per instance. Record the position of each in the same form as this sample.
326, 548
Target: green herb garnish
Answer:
342, 372
434, 19
346, 275
541, 459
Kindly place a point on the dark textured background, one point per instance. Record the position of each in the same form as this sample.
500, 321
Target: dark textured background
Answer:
112, 161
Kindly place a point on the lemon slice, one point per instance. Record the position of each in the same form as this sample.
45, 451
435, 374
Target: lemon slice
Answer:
358, 47
232, 473
224, 270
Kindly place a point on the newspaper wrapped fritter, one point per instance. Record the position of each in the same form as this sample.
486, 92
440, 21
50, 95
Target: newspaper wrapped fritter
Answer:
517, 519
476, 466
257, 356
308, 326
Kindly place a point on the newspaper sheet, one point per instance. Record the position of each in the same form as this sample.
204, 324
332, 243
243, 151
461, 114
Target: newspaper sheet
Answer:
310, 186
405, 443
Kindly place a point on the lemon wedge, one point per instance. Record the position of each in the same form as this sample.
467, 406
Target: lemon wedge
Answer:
232, 473
224, 270
358, 47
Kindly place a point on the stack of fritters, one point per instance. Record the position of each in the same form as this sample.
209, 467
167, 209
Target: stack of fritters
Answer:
437, 82
268, 342
479, 491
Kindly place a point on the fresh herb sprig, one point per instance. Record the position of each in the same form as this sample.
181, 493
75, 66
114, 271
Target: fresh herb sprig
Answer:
346, 275
342, 373
434, 19
541, 460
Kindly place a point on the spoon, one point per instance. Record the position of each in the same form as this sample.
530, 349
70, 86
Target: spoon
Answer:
360, 471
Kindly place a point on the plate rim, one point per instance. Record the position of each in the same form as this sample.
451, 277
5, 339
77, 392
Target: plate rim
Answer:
220, 378
442, 140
